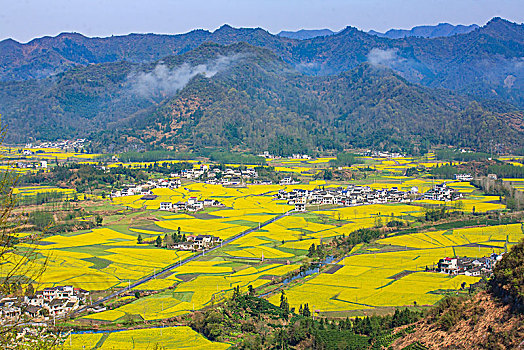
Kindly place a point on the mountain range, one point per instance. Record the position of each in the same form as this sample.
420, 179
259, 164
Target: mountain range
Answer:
305, 33
437, 31
247, 89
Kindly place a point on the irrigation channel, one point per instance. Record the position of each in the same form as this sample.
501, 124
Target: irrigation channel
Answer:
183, 262
315, 268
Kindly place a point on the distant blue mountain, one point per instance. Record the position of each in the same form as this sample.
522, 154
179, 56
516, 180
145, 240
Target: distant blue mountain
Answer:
304, 34
440, 30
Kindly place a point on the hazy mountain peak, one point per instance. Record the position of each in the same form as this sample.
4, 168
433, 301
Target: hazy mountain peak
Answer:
9, 42
427, 31
303, 34
225, 27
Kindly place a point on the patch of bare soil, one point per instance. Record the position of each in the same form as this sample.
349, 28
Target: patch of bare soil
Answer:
480, 322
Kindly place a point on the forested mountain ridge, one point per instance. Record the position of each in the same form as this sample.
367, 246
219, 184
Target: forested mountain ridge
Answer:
305, 33
439, 30
246, 97
487, 61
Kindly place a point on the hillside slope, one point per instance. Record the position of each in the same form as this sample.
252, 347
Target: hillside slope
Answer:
486, 62
247, 97
489, 320
482, 322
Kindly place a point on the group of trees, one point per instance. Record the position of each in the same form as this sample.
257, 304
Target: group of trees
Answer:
318, 251
457, 155
363, 235
153, 156
504, 170
513, 198
508, 276
166, 241
436, 214
345, 159
304, 311
84, 177
264, 325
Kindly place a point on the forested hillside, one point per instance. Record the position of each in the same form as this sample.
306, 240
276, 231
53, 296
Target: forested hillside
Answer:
486, 62
247, 97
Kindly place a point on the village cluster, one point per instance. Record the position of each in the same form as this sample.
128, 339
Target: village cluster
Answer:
28, 165
46, 303
361, 195
382, 154
268, 155
192, 204
468, 266
217, 176
441, 192
196, 243
64, 144
146, 189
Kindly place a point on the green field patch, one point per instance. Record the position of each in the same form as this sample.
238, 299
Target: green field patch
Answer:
296, 252
101, 341
186, 277
264, 238
98, 263
231, 248
231, 264
152, 228
95, 250
242, 223
387, 284
302, 230
116, 240
122, 228
183, 296
45, 243
76, 233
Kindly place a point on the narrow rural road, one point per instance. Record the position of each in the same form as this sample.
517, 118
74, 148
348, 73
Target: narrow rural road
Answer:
174, 266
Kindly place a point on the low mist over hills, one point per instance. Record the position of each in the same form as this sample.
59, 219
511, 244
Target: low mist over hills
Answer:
244, 96
254, 90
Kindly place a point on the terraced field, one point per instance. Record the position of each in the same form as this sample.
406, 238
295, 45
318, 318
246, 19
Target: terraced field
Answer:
149, 338
371, 277
383, 278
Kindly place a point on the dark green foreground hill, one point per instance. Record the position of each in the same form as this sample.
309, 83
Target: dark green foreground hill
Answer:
493, 319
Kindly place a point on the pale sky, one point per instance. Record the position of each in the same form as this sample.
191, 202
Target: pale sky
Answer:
24, 20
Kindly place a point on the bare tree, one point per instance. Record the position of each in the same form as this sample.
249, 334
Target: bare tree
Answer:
20, 268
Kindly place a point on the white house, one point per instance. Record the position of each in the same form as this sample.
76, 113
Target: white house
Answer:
166, 205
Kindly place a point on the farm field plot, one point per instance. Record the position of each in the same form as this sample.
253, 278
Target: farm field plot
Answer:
517, 183
475, 235
210, 282
479, 203
100, 259
298, 233
110, 256
368, 281
373, 210
166, 338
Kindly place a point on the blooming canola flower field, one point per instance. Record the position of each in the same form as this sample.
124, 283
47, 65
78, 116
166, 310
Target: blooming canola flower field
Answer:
149, 338
391, 273
384, 278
